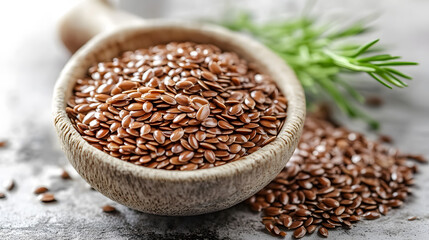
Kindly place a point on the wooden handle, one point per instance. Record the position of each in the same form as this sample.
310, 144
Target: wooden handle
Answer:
88, 19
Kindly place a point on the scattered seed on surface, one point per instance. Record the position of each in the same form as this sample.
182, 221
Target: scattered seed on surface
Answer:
300, 232
47, 197
336, 177
65, 175
2, 195
2, 144
323, 232
40, 190
371, 215
412, 218
374, 101
385, 139
108, 209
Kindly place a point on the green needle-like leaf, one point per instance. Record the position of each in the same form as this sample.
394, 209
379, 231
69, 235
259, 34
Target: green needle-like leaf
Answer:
364, 48
318, 55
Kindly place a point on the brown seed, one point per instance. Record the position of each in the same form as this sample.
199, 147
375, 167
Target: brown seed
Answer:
40, 190
296, 224
159, 136
147, 107
182, 99
185, 109
284, 198
208, 75
203, 113
145, 130
157, 116
272, 211
412, 218
302, 212
330, 202
258, 96
65, 175
236, 109
269, 226
2, 195
108, 209
119, 97
374, 101
210, 123
177, 134
383, 209
225, 125
235, 148
200, 136
308, 222
126, 85
210, 156
184, 84
101, 133
186, 156
328, 225
193, 142
179, 118
323, 232
371, 215
300, 232
395, 203
135, 107
339, 210
168, 99
311, 229
354, 218
47, 197
189, 166
268, 124
347, 224
150, 96
287, 221
310, 195
214, 68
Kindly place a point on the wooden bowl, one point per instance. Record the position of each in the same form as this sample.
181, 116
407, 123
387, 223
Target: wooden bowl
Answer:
165, 192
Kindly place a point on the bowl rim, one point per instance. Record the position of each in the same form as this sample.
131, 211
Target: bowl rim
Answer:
289, 134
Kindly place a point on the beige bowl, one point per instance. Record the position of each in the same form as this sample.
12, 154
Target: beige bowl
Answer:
166, 192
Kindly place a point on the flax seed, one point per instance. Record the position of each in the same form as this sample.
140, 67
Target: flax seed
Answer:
47, 197
323, 232
40, 190
108, 209
300, 232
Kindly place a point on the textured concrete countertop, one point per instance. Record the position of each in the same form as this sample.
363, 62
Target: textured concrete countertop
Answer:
31, 57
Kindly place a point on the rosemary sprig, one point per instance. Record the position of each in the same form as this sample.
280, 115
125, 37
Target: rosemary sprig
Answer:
318, 55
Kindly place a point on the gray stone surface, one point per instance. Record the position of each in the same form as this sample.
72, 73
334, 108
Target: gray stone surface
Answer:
31, 57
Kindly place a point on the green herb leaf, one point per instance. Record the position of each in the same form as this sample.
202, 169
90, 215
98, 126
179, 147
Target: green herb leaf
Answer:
318, 55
